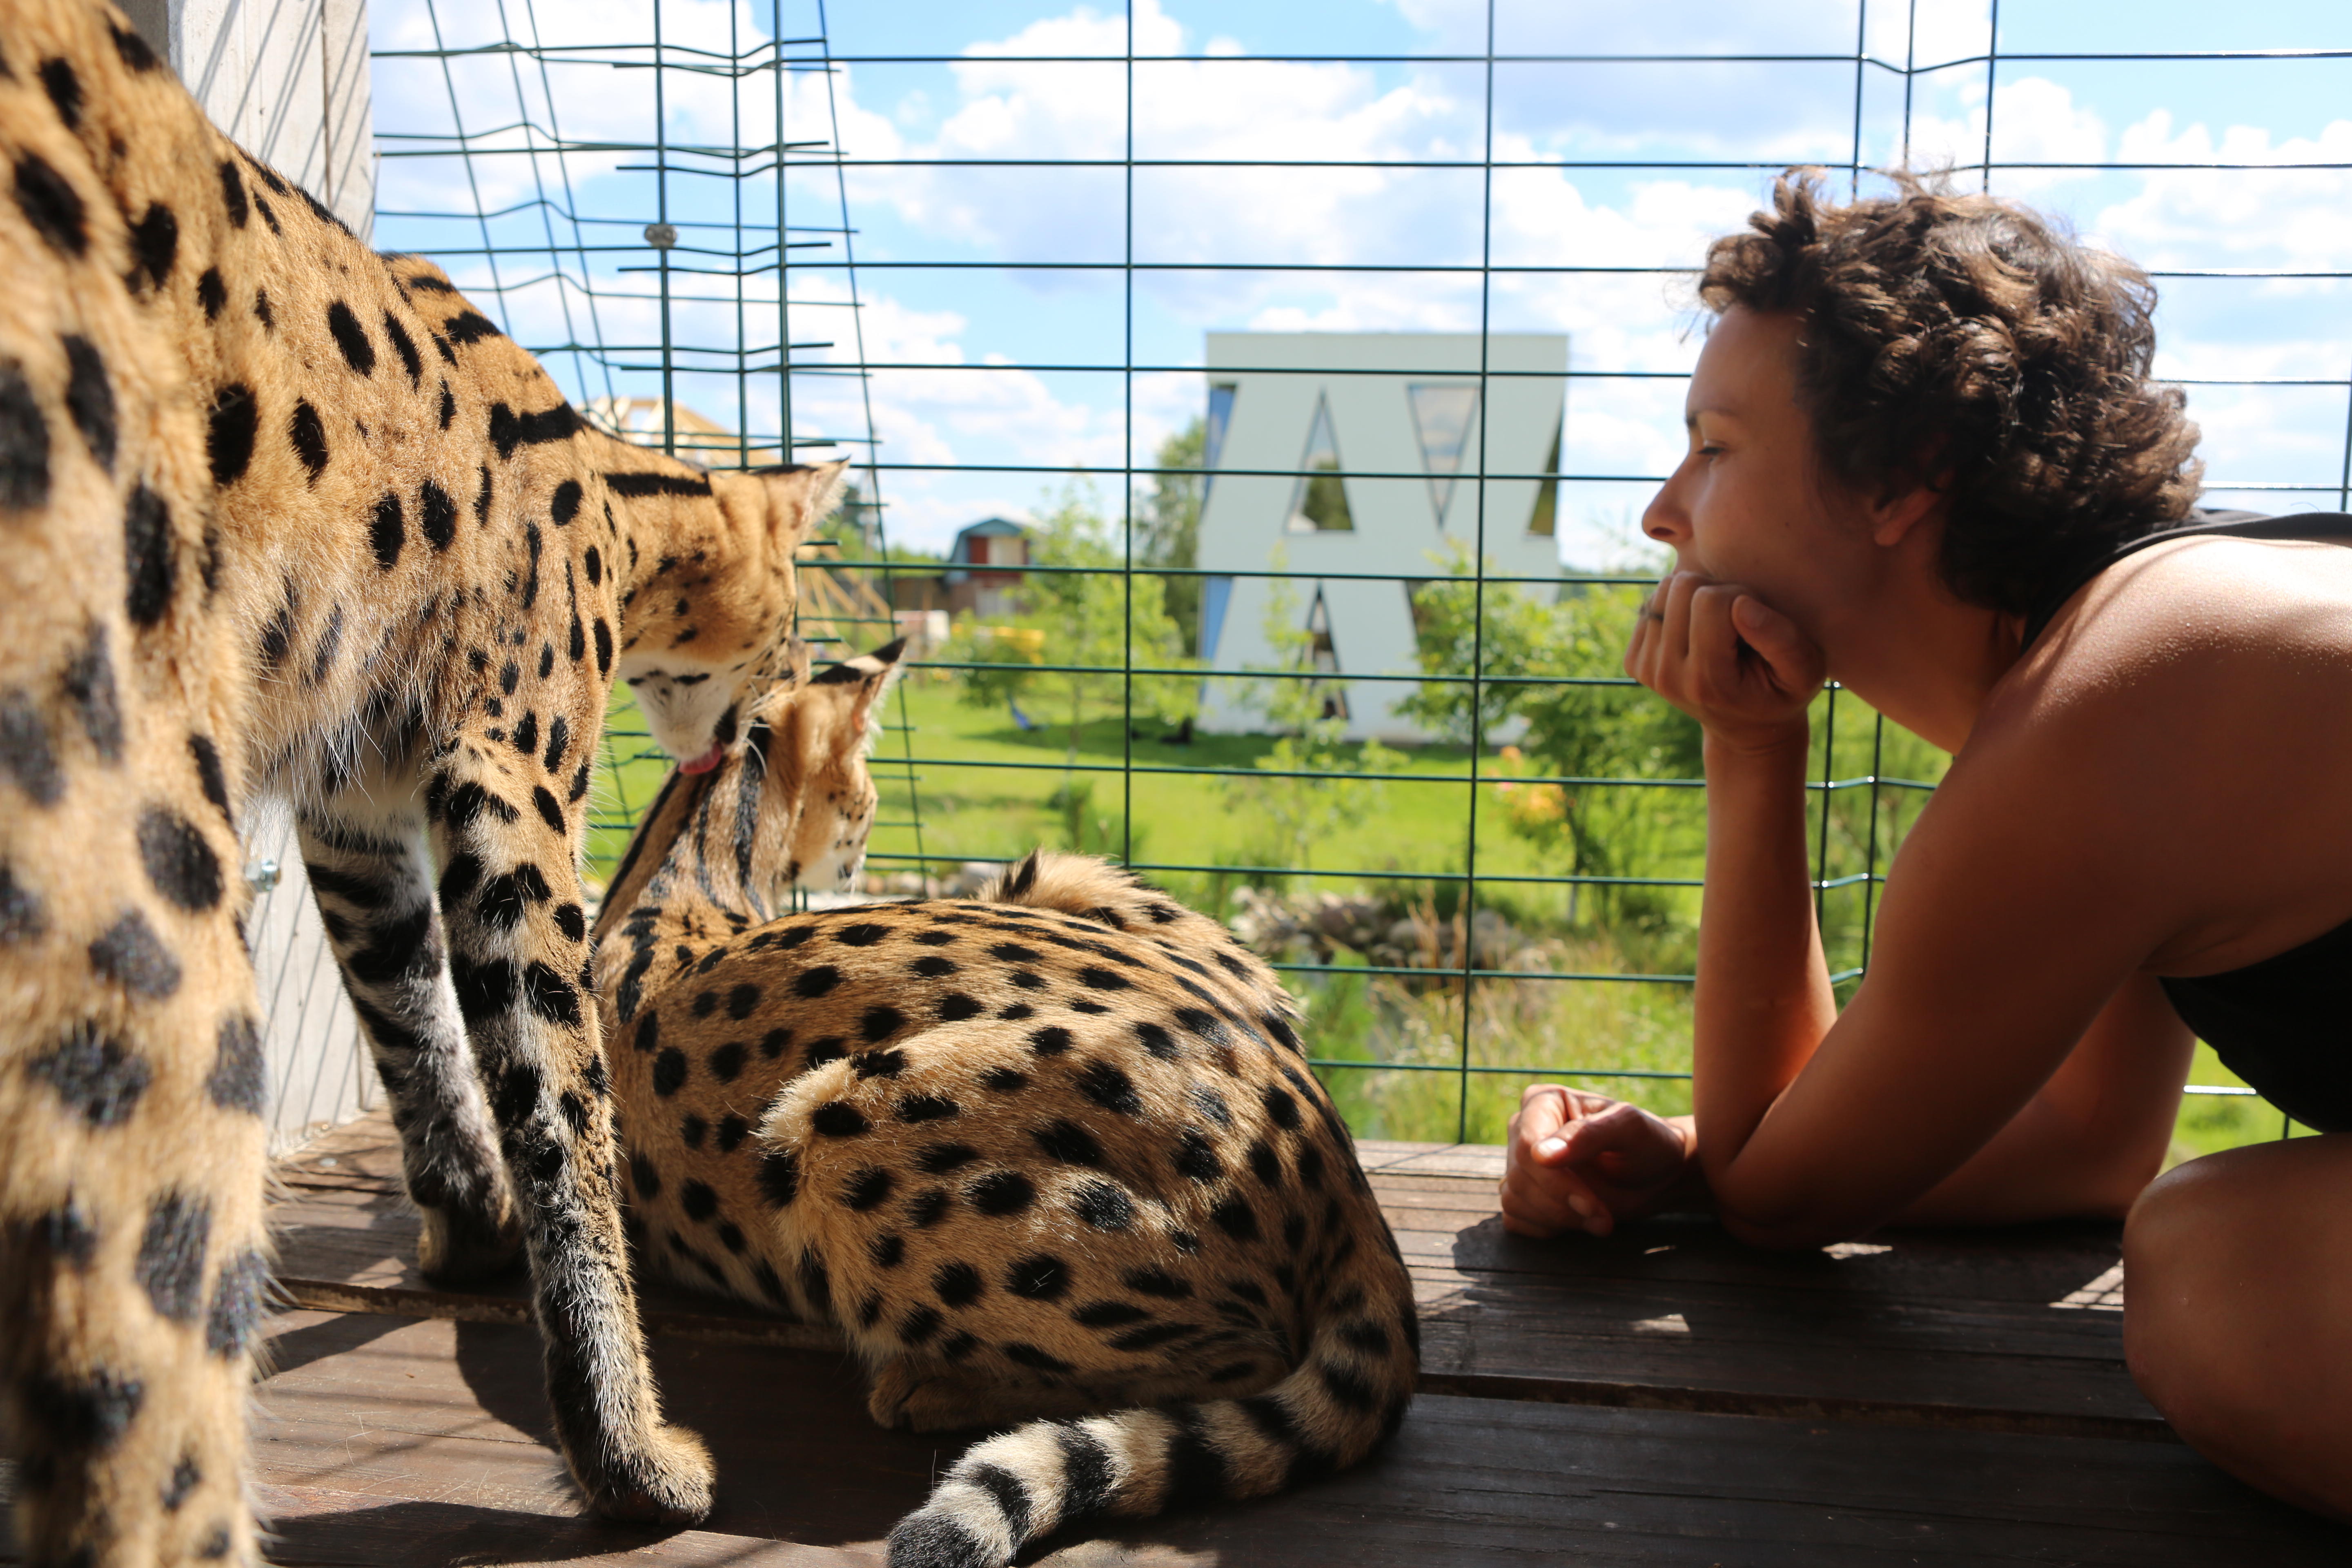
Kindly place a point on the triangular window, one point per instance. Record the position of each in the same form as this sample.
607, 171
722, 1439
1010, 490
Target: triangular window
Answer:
1319, 504
1323, 657
1443, 412
1221, 417
1546, 520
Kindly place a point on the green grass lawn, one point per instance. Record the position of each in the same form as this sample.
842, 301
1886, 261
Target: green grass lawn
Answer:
1631, 1038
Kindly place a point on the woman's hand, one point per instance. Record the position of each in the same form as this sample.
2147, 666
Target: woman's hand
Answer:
1583, 1162
1744, 670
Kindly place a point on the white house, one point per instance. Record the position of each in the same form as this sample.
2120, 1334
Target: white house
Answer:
1299, 425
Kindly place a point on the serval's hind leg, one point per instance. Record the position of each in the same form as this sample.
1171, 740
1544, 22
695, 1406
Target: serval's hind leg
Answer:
373, 879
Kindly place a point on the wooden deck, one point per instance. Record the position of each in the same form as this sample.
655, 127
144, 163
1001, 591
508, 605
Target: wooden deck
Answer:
1662, 1397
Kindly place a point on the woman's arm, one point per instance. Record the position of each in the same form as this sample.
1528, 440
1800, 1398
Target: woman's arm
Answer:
2024, 904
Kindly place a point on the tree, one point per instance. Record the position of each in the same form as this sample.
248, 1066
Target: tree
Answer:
1306, 791
1168, 523
1096, 619
1557, 666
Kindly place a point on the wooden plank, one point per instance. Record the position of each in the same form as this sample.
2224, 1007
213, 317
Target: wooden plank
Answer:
1954, 1329
410, 1438
392, 1441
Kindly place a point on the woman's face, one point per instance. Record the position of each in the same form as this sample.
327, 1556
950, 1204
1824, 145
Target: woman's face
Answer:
1748, 504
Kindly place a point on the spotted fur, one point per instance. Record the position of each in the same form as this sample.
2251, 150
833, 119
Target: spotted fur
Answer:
285, 518
1052, 1155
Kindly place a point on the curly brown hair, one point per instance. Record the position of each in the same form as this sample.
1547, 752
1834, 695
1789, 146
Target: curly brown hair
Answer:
1970, 344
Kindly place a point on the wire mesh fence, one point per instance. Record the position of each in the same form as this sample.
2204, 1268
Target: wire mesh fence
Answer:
1290, 630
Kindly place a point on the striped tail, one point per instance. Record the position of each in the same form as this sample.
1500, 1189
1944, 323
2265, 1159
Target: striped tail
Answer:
1345, 1398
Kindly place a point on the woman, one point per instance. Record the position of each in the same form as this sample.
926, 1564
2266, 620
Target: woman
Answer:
1926, 457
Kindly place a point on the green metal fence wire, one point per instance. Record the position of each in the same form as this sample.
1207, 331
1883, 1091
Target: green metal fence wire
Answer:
690, 281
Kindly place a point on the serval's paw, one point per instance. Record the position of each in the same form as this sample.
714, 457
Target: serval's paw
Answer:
464, 1245
667, 1481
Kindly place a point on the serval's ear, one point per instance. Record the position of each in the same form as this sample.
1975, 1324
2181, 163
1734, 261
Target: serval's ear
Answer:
800, 497
859, 684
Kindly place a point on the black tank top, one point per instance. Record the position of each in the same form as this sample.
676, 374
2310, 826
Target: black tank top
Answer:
2283, 1024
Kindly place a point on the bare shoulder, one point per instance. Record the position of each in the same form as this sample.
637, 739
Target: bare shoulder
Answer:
2161, 733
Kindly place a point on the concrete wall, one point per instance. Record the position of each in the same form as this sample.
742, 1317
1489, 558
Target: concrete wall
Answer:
287, 80
1278, 381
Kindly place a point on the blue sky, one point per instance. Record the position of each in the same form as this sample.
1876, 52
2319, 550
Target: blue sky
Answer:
967, 275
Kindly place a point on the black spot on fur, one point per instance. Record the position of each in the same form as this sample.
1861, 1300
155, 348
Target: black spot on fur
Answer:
887, 1250
868, 1189
261, 301
99, 1077
1040, 1277
566, 504
240, 1299
810, 984
482, 499
918, 1325
1103, 1206
148, 560
525, 737
1002, 1192
130, 954
633, 484
88, 685
180, 863
550, 812
1004, 1080
603, 648
726, 1061
1149, 1338
699, 1200
1211, 1104
90, 399
1108, 1314
670, 1068
1050, 1041
233, 194
929, 1208
90, 1413
958, 1284
388, 533
51, 205
955, 1007
1236, 1218
484, 990
470, 326
1068, 1142
1155, 1282
359, 350
24, 442
308, 435
24, 749
1098, 978
741, 1000
933, 967
733, 1131
406, 347
436, 515
228, 435
1281, 1108
21, 915
836, 1119
171, 1263
1266, 1163
510, 430
939, 1158
1196, 1157
780, 1177
862, 935
1110, 1088
154, 245
187, 1476
64, 87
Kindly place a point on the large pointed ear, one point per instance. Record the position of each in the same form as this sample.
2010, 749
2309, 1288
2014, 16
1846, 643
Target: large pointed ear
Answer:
867, 676
800, 498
